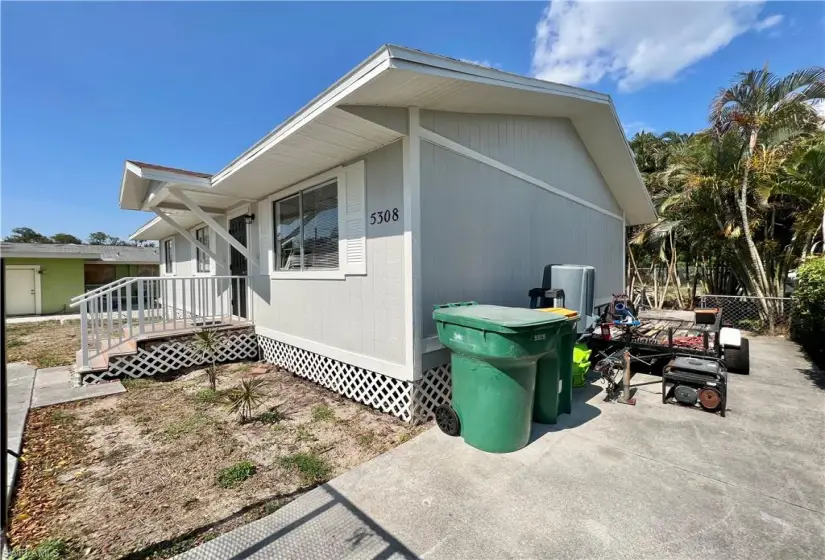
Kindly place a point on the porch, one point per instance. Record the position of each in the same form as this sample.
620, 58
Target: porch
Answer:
142, 326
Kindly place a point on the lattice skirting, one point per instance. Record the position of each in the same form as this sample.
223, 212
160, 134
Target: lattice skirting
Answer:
411, 402
161, 356
435, 388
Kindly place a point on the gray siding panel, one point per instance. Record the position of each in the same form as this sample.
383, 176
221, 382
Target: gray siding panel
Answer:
361, 314
546, 148
486, 235
205, 291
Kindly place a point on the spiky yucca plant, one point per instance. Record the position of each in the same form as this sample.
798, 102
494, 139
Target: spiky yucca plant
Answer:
207, 341
246, 397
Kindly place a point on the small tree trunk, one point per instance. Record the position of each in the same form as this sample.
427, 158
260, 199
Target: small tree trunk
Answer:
655, 287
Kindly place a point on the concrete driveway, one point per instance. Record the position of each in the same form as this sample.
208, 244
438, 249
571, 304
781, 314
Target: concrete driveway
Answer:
610, 481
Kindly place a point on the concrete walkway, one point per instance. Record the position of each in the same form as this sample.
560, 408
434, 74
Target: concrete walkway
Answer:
42, 318
54, 386
20, 383
609, 481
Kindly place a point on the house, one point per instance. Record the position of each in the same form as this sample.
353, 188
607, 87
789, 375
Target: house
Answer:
42, 278
413, 180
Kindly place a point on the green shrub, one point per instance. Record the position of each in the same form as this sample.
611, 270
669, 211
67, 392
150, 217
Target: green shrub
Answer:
309, 466
237, 473
809, 308
50, 549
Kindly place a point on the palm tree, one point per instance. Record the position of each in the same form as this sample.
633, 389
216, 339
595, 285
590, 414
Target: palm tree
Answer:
759, 106
806, 181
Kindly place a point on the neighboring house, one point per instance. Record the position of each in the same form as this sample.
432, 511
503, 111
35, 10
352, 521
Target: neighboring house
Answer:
412, 181
42, 278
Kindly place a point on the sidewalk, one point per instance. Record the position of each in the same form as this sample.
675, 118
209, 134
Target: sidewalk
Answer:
42, 318
20, 384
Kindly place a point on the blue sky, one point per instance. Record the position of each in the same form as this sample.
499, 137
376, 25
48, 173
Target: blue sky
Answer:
87, 85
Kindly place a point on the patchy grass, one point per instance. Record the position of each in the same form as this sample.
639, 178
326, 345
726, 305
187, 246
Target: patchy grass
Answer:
322, 413
309, 466
134, 475
303, 434
237, 473
188, 425
404, 437
208, 396
139, 383
59, 416
44, 344
271, 416
365, 439
273, 506
50, 549
53, 450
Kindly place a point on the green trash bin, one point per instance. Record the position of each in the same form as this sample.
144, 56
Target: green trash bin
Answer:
554, 377
494, 355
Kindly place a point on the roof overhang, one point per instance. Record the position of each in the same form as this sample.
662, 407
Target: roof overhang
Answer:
326, 133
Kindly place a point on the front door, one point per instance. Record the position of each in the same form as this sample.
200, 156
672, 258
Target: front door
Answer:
20, 292
238, 266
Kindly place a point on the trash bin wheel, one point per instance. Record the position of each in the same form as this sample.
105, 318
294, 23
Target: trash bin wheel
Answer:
447, 420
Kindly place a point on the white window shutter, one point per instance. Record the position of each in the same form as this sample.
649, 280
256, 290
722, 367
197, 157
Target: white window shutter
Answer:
355, 219
265, 229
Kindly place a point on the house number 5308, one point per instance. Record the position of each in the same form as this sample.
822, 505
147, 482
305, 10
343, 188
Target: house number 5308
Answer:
384, 216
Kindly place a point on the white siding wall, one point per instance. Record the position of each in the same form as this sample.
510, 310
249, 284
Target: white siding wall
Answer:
361, 314
486, 235
185, 266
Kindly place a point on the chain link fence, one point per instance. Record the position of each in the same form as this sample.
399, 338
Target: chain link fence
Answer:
750, 313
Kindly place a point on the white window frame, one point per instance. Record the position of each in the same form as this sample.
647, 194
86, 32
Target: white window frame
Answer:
163, 256
210, 233
336, 174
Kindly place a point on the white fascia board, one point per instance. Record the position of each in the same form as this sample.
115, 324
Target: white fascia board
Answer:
142, 229
171, 177
652, 207
360, 75
425, 63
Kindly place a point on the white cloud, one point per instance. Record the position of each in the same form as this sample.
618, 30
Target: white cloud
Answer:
636, 126
768, 22
636, 43
484, 62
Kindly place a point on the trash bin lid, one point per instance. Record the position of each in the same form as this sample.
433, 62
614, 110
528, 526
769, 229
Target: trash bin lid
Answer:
495, 318
569, 313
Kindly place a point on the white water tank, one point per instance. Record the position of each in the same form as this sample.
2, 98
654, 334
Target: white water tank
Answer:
579, 285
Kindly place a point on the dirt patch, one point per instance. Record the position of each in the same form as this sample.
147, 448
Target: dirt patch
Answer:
144, 479
45, 344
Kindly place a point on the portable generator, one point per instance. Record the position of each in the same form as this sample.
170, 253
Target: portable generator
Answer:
691, 380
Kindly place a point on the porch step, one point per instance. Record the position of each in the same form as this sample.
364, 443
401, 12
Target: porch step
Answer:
115, 348
101, 361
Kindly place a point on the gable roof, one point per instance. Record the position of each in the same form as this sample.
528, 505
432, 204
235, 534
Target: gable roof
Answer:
328, 130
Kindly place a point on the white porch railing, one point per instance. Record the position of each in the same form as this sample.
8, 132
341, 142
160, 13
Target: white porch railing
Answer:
130, 307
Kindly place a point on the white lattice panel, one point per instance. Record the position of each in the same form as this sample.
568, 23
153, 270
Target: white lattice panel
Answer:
411, 402
173, 354
435, 388
368, 387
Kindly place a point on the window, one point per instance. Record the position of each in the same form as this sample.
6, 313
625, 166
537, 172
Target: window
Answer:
306, 229
317, 229
203, 262
168, 256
